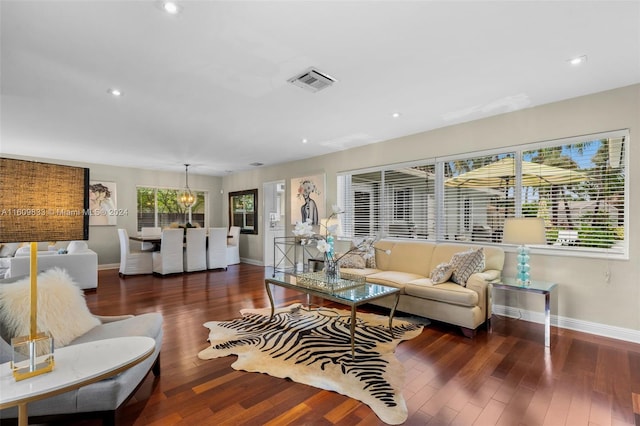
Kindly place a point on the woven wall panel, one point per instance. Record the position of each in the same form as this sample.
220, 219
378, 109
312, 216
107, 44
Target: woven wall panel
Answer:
42, 201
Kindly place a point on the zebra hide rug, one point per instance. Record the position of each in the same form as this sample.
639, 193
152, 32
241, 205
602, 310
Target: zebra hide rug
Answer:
313, 347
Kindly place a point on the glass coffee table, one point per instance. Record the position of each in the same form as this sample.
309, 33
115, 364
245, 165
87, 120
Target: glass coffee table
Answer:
351, 291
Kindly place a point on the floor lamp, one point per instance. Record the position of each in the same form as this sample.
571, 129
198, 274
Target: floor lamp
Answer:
40, 202
523, 231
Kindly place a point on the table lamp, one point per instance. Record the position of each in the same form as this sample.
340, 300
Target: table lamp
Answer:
523, 231
40, 202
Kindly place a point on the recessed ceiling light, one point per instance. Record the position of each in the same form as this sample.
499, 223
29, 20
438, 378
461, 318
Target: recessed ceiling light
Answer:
170, 7
579, 60
256, 164
115, 92
395, 115
304, 140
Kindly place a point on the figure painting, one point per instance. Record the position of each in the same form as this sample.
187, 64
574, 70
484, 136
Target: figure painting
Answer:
307, 199
102, 203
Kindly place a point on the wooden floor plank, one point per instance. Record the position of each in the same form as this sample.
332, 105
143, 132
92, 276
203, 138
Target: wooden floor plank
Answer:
502, 376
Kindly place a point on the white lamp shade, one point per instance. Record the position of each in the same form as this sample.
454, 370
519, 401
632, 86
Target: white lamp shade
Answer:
524, 230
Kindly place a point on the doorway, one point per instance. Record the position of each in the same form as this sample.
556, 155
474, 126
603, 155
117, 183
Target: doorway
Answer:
274, 226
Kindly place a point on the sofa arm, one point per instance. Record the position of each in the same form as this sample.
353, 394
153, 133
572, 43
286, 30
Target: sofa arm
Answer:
480, 282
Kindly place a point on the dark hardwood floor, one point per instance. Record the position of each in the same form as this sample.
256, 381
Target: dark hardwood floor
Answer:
502, 377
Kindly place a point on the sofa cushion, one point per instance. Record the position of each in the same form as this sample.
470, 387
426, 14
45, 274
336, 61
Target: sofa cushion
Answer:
365, 272
446, 292
77, 247
465, 264
62, 310
396, 279
407, 256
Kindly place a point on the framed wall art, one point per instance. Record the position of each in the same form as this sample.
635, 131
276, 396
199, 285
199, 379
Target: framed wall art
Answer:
102, 203
308, 199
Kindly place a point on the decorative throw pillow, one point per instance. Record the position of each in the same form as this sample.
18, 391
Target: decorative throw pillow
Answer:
441, 273
465, 264
352, 260
77, 247
62, 310
370, 261
9, 249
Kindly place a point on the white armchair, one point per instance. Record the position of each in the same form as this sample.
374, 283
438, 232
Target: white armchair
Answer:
217, 250
169, 260
233, 246
195, 252
132, 263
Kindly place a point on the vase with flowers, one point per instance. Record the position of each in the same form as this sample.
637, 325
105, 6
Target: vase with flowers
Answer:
325, 243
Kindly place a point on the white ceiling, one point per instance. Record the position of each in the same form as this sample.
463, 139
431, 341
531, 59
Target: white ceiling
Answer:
209, 86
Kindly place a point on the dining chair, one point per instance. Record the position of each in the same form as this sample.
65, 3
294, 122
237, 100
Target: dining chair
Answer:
133, 262
195, 252
233, 246
169, 260
149, 231
217, 248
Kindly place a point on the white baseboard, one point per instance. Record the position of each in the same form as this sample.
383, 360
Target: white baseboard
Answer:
251, 261
613, 332
106, 266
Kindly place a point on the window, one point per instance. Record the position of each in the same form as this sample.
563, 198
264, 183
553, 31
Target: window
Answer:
397, 202
577, 185
243, 212
160, 207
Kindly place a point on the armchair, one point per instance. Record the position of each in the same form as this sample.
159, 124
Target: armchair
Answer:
104, 398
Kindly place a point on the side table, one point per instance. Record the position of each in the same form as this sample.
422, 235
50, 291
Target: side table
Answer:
76, 366
540, 287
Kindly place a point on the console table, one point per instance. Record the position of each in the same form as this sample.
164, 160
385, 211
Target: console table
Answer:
539, 287
75, 366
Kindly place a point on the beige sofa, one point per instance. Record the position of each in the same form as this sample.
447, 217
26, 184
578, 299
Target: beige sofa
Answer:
408, 266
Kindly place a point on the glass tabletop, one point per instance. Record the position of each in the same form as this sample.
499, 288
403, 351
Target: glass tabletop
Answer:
534, 285
354, 293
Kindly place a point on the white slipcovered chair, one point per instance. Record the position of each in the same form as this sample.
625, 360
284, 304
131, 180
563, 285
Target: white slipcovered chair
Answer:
169, 260
132, 262
233, 246
149, 231
195, 252
217, 249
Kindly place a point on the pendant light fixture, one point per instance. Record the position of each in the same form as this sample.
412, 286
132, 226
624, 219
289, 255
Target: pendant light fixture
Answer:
186, 197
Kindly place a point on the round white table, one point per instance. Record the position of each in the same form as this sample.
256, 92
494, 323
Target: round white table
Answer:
75, 366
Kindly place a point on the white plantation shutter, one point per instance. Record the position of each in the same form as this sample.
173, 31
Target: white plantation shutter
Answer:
587, 209
478, 194
578, 185
399, 202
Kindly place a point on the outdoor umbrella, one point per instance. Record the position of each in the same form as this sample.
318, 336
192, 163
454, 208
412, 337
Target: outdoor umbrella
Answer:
502, 172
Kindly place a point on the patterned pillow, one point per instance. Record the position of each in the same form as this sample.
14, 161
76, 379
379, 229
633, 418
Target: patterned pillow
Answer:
352, 260
371, 260
465, 264
441, 273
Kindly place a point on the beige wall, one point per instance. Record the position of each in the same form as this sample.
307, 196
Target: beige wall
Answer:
584, 294
104, 239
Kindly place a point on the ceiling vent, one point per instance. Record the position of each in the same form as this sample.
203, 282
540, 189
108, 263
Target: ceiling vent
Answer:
312, 80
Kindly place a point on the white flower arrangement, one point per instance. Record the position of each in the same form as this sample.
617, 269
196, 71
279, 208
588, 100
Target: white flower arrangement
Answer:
324, 243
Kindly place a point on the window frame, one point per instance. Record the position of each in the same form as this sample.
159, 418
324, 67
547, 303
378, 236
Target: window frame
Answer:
620, 252
205, 195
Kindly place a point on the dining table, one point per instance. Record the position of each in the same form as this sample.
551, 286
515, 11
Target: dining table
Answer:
157, 239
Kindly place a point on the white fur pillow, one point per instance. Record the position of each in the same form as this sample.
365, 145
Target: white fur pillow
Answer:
62, 310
